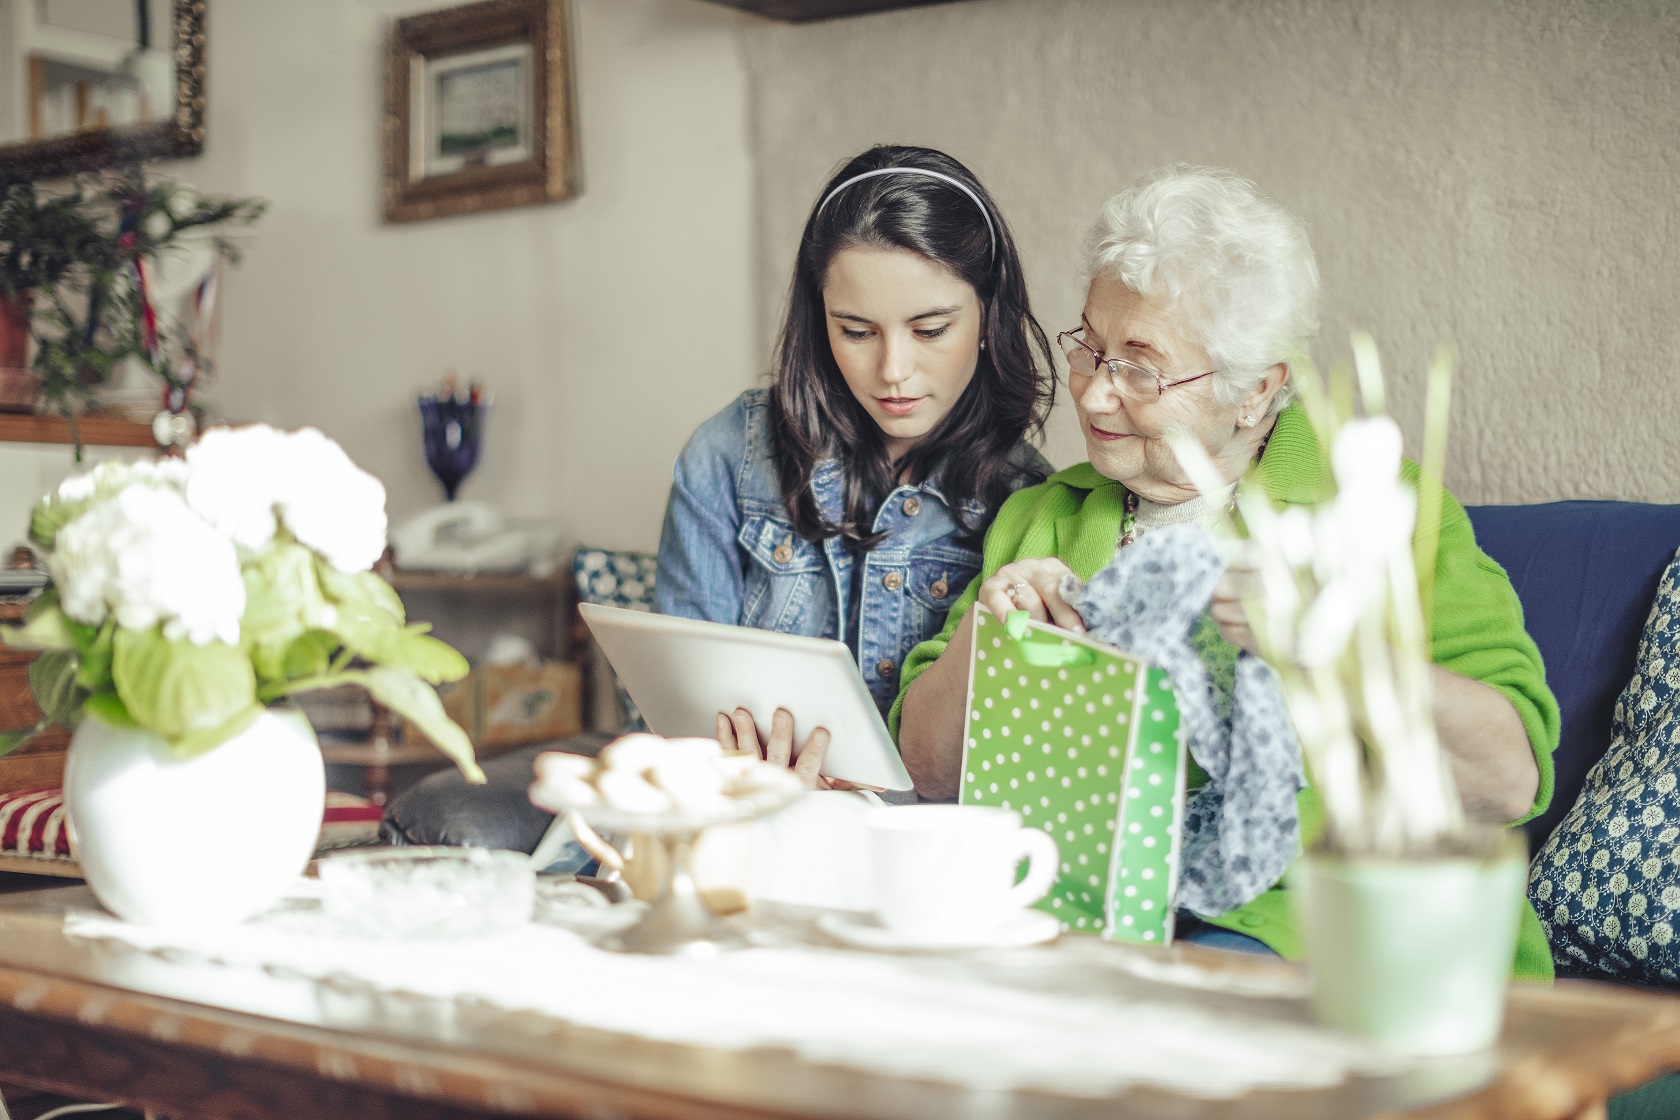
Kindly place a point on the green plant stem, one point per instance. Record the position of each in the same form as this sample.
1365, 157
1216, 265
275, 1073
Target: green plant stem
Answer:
1431, 479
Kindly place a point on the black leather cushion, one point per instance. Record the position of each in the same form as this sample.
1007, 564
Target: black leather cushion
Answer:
448, 810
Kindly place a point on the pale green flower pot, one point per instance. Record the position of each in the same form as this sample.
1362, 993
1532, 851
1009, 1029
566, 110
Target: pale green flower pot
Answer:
1415, 953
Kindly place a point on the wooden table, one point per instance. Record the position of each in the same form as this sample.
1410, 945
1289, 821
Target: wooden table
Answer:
102, 1022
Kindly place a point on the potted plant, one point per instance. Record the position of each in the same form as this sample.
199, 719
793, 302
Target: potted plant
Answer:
74, 273
42, 238
1409, 910
174, 241
191, 598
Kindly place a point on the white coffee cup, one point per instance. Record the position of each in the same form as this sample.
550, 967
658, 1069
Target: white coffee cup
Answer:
949, 870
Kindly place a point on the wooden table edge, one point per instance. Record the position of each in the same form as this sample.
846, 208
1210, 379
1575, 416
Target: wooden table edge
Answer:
149, 1028
1576, 1082
445, 1080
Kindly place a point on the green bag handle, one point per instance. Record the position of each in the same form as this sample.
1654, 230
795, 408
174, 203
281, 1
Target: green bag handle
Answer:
1044, 651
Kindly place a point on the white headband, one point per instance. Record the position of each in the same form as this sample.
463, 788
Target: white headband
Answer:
991, 233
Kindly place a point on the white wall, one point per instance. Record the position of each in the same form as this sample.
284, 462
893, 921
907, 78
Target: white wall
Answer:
607, 326
1502, 174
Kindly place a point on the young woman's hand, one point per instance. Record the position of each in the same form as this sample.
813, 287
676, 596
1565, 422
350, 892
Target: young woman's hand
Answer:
737, 731
1034, 586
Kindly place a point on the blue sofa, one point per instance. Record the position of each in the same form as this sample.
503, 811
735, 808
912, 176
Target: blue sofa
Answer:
1586, 573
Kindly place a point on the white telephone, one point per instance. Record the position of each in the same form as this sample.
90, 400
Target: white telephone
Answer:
461, 537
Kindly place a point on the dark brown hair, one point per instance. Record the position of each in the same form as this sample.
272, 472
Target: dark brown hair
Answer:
816, 417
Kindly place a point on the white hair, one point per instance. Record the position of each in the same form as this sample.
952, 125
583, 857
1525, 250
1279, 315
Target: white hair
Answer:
1209, 244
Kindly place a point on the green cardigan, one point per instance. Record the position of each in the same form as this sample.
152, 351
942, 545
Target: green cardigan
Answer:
1477, 627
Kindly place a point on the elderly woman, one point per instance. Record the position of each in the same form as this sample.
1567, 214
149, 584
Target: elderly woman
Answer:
1201, 292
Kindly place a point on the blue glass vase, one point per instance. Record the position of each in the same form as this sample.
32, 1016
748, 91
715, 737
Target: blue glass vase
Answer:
452, 432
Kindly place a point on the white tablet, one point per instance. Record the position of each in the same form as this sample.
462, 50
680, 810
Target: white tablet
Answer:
681, 673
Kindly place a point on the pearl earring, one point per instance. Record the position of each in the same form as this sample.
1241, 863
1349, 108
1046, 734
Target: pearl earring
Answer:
982, 344
1248, 421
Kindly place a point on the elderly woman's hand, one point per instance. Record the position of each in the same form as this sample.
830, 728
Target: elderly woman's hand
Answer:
1240, 580
1034, 586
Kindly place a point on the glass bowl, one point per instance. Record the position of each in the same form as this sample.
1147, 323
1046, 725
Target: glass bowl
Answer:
428, 893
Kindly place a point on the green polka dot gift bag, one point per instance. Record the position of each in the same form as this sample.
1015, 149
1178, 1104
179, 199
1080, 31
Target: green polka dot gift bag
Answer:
1084, 742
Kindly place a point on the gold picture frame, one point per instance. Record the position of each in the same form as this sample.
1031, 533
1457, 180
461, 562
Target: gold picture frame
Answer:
479, 110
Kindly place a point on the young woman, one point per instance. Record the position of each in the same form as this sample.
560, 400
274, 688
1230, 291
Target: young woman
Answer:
850, 499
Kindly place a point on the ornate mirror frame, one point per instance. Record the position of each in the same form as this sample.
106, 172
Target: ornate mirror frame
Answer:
177, 138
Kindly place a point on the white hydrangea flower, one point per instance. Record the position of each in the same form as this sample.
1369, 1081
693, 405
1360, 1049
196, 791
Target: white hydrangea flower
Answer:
234, 480
144, 557
331, 504
107, 478
248, 481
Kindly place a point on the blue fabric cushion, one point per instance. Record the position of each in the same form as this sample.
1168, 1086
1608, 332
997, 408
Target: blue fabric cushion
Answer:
617, 579
1585, 572
1606, 885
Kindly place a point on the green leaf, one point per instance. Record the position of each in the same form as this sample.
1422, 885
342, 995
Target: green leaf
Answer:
52, 678
197, 742
282, 601
309, 656
95, 673
45, 626
179, 689
369, 621
82, 634
12, 740
364, 593
414, 700
408, 648
50, 516
417, 702
107, 707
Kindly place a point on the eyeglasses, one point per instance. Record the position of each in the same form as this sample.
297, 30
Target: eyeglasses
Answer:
1129, 379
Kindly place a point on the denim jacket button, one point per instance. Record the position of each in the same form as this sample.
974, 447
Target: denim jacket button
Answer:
892, 581
940, 588
885, 667
912, 506
783, 553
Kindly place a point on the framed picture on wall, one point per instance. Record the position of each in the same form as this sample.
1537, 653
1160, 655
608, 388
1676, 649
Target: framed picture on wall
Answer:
479, 110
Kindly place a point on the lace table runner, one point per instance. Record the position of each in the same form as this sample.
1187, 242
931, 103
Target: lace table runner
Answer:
1031, 1019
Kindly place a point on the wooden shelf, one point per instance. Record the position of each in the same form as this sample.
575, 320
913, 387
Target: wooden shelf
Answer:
808, 11
485, 581
96, 431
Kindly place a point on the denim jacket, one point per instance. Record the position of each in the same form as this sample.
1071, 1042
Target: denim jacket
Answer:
729, 554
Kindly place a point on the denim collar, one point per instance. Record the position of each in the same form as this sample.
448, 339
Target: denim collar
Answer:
828, 487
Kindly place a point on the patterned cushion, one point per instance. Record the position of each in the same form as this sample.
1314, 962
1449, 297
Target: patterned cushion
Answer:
348, 822
33, 835
616, 579
32, 825
1607, 883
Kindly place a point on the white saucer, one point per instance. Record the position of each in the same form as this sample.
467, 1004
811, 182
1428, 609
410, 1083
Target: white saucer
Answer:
863, 931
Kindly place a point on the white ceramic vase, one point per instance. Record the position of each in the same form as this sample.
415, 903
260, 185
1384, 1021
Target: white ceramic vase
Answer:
1416, 953
207, 840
